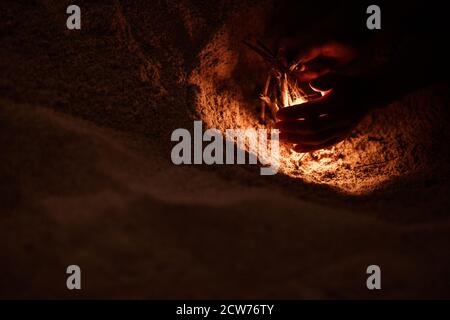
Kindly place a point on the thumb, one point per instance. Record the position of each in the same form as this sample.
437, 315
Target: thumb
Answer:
325, 82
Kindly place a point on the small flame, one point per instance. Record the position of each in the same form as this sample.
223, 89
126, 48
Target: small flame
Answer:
281, 88
292, 94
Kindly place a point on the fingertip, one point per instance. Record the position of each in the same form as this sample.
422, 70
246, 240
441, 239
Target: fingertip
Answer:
324, 83
305, 76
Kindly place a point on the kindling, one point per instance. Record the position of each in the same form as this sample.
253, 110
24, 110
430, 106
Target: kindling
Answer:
193, 151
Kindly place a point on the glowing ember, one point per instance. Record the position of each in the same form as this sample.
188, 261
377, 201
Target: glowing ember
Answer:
281, 88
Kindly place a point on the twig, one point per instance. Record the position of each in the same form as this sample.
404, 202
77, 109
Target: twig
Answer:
263, 103
375, 163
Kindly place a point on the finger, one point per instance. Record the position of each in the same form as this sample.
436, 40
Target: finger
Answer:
301, 126
322, 105
326, 82
311, 53
341, 53
313, 140
311, 74
312, 126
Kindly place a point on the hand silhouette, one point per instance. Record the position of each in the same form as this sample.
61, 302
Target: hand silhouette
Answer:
329, 119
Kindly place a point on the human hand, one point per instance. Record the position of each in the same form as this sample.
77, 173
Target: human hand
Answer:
329, 119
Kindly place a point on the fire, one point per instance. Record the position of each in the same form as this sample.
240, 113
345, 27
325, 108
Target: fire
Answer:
281, 88
350, 167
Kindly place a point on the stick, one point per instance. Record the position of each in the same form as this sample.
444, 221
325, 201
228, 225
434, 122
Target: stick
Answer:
273, 106
284, 91
263, 47
263, 103
265, 55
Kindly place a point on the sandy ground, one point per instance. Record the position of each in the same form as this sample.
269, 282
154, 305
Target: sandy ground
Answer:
86, 177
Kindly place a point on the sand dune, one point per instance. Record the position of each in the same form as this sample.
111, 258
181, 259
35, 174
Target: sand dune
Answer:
86, 177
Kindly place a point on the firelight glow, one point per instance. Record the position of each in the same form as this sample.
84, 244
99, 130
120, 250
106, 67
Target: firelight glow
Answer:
355, 166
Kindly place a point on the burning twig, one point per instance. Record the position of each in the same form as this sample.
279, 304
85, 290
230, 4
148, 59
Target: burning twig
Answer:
285, 97
273, 106
263, 102
285, 91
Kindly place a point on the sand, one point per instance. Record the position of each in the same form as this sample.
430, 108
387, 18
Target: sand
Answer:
86, 176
